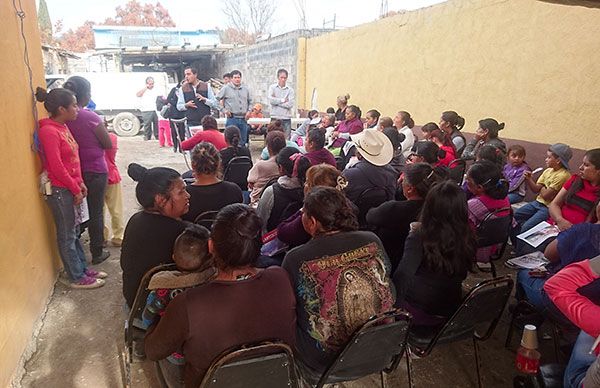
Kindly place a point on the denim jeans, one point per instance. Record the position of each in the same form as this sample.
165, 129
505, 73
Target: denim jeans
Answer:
69, 246
150, 120
530, 215
580, 361
242, 125
287, 127
96, 185
532, 290
515, 198
527, 216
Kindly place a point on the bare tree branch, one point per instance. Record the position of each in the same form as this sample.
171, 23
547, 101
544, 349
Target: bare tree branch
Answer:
250, 17
301, 10
236, 15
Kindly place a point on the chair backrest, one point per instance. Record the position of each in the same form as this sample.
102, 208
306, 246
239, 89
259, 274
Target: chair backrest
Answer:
377, 345
207, 218
457, 169
270, 182
368, 199
495, 227
135, 314
267, 364
481, 308
237, 171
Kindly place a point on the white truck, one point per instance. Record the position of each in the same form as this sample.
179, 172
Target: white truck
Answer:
115, 96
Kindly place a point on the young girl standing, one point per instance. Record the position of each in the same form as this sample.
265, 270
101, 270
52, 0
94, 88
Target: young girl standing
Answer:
60, 157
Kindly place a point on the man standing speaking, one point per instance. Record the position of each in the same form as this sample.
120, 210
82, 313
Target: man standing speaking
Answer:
236, 103
281, 99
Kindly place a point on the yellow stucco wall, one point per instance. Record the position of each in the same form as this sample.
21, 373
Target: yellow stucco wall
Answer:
529, 63
27, 248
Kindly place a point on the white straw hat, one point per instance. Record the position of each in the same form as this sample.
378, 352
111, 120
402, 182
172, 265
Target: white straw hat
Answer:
374, 146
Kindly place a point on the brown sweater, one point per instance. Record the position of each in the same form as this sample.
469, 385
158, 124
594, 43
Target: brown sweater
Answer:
206, 320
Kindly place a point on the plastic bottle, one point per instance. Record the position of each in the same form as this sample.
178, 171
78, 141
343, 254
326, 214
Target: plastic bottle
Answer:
528, 358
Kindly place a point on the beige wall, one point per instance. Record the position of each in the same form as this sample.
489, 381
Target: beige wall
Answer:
532, 64
27, 267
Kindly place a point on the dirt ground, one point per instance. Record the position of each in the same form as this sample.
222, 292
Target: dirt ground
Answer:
82, 335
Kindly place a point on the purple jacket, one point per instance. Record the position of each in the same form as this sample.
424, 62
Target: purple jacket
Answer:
514, 176
347, 128
321, 156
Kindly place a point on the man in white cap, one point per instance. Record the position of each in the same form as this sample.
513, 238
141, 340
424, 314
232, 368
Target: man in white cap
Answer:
371, 181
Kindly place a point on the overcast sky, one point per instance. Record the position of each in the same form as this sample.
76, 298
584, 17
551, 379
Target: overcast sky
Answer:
202, 14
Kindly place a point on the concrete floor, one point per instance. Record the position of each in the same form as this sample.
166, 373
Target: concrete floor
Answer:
82, 335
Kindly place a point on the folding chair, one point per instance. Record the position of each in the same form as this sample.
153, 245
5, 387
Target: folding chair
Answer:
207, 218
266, 364
376, 347
484, 304
494, 230
237, 171
457, 169
133, 331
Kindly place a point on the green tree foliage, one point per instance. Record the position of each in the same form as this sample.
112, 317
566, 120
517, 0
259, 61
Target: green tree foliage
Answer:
44, 23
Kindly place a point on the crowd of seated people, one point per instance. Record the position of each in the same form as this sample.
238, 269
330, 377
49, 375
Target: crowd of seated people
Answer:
355, 238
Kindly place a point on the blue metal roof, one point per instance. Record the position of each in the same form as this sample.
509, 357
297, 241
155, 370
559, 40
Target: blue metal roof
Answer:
111, 37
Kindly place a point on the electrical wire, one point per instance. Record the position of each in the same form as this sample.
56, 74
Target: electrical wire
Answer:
21, 15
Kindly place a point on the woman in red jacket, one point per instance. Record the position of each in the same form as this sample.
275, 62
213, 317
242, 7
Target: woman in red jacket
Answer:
61, 161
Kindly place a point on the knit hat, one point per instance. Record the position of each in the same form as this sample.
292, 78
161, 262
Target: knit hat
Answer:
563, 152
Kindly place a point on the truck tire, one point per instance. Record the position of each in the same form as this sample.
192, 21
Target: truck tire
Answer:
126, 124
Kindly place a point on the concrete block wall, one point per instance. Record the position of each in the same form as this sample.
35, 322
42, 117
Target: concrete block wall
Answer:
259, 63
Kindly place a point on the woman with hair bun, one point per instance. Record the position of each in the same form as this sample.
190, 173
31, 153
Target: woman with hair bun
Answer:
232, 139
209, 192
291, 231
391, 220
404, 124
490, 190
342, 104
284, 197
451, 123
60, 158
341, 277
243, 304
150, 233
92, 137
486, 134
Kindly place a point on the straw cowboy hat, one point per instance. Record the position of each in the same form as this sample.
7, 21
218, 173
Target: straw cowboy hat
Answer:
374, 146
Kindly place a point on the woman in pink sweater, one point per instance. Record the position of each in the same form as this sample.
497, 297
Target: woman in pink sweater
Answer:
60, 158
575, 290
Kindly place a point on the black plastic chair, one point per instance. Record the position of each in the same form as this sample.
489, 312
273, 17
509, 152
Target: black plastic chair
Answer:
494, 230
483, 305
457, 169
376, 347
207, 218
368, 199
266, 364
133, 330
237, 170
